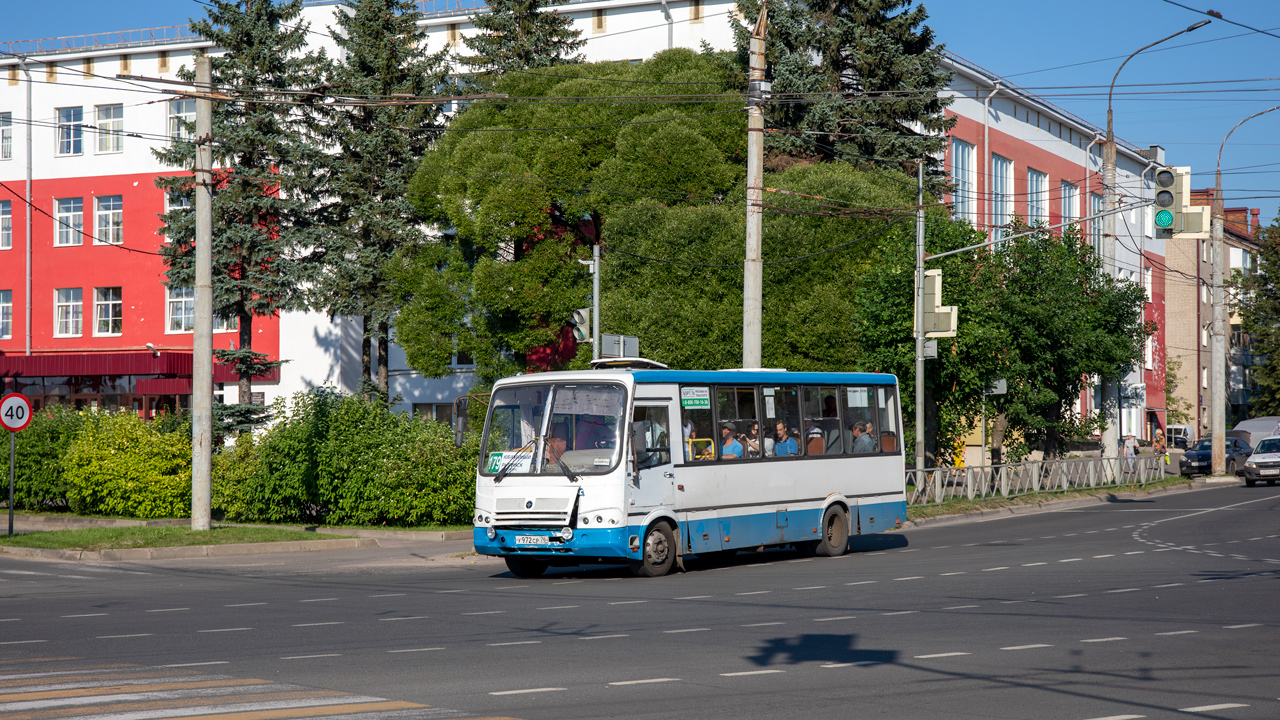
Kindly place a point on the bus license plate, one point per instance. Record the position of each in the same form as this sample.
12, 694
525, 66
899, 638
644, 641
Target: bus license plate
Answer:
1269, 472
533, 540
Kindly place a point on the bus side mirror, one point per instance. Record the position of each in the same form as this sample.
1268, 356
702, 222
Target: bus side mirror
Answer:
639, 437
457, 431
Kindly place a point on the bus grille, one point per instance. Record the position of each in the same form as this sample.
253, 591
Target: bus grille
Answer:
548, 512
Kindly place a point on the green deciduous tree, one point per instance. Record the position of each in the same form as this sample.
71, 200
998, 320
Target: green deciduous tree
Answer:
1259, 303
264, 179
522, 34
877, 64
375, 148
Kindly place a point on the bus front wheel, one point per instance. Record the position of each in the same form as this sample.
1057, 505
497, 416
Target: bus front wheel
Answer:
658, 553
835, 533
525, 567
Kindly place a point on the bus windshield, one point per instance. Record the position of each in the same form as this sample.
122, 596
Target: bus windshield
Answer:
579, 436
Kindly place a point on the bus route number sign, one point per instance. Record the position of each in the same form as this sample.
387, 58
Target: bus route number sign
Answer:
695, 397
15, 412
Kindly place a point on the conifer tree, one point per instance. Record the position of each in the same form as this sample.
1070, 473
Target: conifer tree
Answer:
877, 62
521, 34
1259, 304
263, 184
374, 151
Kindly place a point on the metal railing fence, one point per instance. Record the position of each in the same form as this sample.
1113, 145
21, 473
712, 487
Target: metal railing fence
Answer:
939, 485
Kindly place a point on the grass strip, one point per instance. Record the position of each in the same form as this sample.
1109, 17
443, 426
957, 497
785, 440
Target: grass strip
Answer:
961, 506
118, 538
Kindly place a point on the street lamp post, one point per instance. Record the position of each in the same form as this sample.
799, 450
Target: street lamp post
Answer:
1110, 387
1218, 342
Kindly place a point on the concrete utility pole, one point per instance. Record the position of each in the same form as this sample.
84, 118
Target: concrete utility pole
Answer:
753, 266
202, 343
920, 322
1111, 388
22, 62
1218, 341
595, 301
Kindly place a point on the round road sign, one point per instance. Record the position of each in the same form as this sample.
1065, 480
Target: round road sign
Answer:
15, 412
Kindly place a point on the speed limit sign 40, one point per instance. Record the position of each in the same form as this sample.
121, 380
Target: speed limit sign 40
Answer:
15, 412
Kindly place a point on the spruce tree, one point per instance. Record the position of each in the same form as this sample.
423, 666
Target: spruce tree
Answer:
1259, 305
374, 151
263, 179
521, 34
876, 72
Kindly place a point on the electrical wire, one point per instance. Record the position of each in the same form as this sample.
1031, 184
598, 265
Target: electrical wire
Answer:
42, 211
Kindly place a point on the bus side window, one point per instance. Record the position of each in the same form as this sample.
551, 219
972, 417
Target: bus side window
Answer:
780, 410
657, 440
887, 410
861, 435
821, 433
738, 434
696, 429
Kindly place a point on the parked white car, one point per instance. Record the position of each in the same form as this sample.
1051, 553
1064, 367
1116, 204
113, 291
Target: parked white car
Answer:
1264, 463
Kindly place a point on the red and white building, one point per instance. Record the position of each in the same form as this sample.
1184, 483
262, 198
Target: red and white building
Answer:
97, 306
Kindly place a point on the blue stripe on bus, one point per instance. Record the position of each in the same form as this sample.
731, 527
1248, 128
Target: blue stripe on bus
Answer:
752, 377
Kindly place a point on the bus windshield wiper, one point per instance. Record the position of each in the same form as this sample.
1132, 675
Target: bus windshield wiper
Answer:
510, 463
565, 469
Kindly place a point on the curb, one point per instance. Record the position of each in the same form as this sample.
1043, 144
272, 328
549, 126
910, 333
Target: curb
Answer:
192, 551
1064, 504
57, 522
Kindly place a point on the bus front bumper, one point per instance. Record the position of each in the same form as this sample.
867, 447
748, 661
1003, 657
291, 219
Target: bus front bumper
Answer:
586, 543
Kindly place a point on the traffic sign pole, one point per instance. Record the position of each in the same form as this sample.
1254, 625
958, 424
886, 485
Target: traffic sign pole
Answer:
15, 414
11, 453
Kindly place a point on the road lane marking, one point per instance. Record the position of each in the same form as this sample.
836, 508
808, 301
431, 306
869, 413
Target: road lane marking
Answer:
1211, 708
645, 682
1119, 717
939, 547
510, 587
308, 657
389, 595
567, 582
244, 604
559, 607
1034, 564
751, 672
22, 642
486, 612
954, 573
318, 600
1097, 557
1240, 627
685, 630
415, 650
692, 597
518, 642
1105, 639
811, 587
1003, 567
1179, 632
941, 655
108, 637
85, 615
1168, 585
913, 577
411, 617
1064, 597
1026, 647
754, 592
1136, 552
197, 664
764, 624
530, 690
628, 602
901, 612
1014, 602
830, 619
168, 609
224, 630
862, 582
1122, 590
959, 607
602, 637
335, 622
1071, 560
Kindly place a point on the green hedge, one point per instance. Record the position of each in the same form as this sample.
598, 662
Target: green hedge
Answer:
39, 479
120, 465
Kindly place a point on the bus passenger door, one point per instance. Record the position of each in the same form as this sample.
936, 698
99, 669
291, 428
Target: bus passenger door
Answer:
652, 486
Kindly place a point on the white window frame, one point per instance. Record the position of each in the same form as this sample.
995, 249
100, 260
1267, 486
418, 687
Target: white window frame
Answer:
69, 142
1037, 196
6, 314
6, 136
962, 175
68, 312
1149, 353
1204, 378
1070, 202
183, 298
68, 225
186, 111
1095, 225
169, 207
225, 326
1001, 195
109, 221
107, 309
1146, 281
110, 123
6, 224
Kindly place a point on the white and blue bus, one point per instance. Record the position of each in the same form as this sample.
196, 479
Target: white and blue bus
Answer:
632, 462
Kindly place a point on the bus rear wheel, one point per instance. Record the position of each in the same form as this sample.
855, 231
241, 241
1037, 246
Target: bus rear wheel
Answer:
835, 533
525, 567
658, 553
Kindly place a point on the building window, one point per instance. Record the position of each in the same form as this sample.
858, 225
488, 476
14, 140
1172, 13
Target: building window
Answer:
70, 131
110, 128
182, 119
1149, 353
69, 220
1001, 195
6, 224
695, 11
6, 136
1204, 378
162, 61
110, 220
180, 313
597, 21
86, 68
6, 314
962, 177
1095, 225
126, 66
13, 74
451, 35
1204, 337
51, 72
1070, 203
1204, 294
434, 411
1146, 281
67, 312
221, 324
108, 311
1037, 196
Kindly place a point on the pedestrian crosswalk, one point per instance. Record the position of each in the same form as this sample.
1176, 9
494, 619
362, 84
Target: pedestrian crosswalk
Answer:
58, 688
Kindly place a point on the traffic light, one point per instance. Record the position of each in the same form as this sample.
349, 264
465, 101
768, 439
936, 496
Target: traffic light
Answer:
1172, 190
939, 321
582, 325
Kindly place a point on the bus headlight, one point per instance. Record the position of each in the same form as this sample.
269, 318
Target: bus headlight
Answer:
1250, 464
491, 532
566, 533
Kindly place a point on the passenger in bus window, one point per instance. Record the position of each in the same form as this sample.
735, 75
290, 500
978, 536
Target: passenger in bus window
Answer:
731, 449
751, 440
829, 406
785, 444
875, 439
558, 442
592, 432
862, 442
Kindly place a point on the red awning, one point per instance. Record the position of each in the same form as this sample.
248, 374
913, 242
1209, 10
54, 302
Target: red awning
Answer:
126, 363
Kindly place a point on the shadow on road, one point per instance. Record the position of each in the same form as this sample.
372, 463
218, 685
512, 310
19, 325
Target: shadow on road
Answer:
818, 648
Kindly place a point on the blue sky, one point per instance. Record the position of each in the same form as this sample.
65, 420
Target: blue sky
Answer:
1020, 41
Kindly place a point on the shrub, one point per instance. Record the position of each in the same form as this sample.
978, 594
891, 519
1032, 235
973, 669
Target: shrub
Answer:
120, 465
39, 479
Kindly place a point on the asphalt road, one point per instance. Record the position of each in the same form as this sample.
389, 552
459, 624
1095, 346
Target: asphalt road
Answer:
1162, 607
